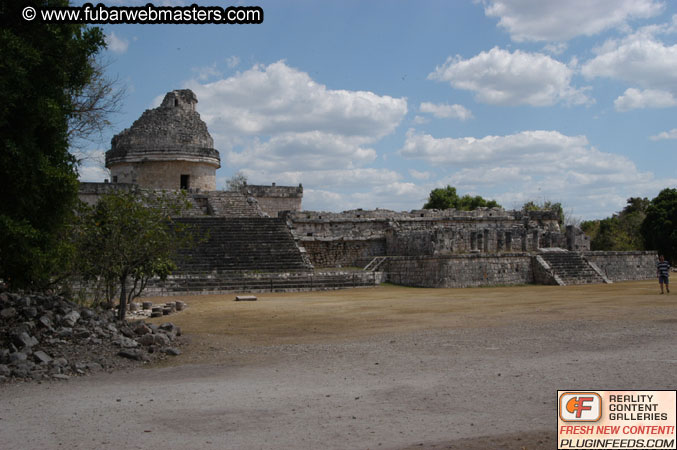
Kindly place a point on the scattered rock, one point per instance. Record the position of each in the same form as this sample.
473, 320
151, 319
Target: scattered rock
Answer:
71, 319
142, 329
46, 336
81, 333
23, 340
64, 332
46, 322
42, 357
161, 339
146, 339
134, 354
8, 313
126, 342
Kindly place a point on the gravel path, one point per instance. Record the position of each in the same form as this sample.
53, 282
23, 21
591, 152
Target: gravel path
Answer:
472, 388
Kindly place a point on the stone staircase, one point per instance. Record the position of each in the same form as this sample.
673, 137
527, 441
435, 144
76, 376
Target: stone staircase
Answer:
571, 268
239, 244
232, 204
248, 254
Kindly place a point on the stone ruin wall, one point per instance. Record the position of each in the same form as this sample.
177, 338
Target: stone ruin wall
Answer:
343, 253
472, 270
448, 236
354, 237
460, 270
625, 266
275, 199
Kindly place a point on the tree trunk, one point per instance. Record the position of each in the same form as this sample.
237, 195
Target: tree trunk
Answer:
122, 311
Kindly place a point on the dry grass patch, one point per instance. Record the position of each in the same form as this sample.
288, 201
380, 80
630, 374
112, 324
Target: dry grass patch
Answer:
217, 322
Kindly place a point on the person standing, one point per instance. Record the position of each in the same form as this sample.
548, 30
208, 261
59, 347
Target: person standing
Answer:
663, 272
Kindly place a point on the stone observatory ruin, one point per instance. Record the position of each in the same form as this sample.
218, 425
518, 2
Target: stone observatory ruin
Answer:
258, 238
168, 147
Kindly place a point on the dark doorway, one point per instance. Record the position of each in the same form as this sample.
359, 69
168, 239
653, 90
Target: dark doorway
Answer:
184, 181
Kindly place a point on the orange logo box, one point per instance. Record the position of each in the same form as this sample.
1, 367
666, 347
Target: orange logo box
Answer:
580, 407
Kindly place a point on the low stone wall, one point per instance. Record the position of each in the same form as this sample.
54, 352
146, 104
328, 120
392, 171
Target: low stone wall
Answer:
262, 282
460, 270
342, 253
624, 266
90, 193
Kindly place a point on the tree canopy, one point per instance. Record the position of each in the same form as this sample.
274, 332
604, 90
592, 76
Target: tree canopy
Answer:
659, 229
43, 68
621, 231
445, 198
126, 239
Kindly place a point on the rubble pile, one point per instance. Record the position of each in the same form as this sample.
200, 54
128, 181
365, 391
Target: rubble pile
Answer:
48, 337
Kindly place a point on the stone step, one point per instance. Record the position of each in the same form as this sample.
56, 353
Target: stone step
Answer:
237, 244
571, 268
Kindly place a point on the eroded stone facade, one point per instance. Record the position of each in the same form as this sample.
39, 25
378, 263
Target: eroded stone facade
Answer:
348, 238
168, 147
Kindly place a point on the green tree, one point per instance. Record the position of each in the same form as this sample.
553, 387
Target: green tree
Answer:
659, 228
126, 239
445, 198
621, 231
43, 68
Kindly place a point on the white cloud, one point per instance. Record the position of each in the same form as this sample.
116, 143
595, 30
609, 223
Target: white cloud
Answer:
116, 44
639, 59
326, 179
419, 175
233, 61
556, 48
276, 124
313, 150
538, 20
266, 100
648, 98
536, 164
206, 72
503, 78
446, 111
395, 196
672, 134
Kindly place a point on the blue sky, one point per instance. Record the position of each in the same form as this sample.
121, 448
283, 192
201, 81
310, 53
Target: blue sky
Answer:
374, 103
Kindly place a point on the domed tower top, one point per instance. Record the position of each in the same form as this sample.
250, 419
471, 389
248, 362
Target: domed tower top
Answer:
168, 147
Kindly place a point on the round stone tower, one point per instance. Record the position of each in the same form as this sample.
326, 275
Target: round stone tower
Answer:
168, 147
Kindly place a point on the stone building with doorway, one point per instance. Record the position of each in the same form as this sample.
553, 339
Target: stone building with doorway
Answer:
168, 147
258, 238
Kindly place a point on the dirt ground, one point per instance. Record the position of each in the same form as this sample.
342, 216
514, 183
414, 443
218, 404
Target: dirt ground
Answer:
387, 367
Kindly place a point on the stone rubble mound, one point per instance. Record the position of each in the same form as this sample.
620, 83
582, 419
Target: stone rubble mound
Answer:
49, 337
